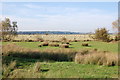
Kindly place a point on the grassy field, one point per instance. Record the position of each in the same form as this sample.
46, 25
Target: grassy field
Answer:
103, 46
64, 69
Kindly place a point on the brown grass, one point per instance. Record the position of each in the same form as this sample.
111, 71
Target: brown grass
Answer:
44, 44
54, 44
62, 54
99, 58
64, 45
36, 67
47, 54
85, 44
7, 69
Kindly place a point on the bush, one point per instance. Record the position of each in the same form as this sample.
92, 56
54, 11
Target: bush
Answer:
75, 40
99, 58
64, 39
85, 44
84, 52
30, 41
36, 67
43, 55
44, 44
16, 40
39, 45
65, 42
86, 40
102, 35
54, 44
64, 46
117, 38
55, 41
40, 39
7, 69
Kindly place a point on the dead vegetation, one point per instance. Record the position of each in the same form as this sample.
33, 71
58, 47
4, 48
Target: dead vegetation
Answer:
85, 56
53, 44
97, 58
64, 46
85, 44
47, 54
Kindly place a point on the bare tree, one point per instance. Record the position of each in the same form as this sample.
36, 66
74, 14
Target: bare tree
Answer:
116, 25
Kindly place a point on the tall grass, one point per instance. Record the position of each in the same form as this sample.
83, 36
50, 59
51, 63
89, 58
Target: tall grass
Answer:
7, 69
99, 58
61, 54
11, 71
47, 54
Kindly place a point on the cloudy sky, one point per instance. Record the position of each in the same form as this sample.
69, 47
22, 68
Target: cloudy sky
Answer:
61, 16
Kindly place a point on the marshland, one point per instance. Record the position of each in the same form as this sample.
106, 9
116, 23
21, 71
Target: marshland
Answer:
92, 54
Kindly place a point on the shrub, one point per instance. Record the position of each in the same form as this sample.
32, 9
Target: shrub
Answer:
102, 34
84, 52
64, 39
7, 69
55, 41
64, 46
86, 40
54, 44
16, 41
85, 44
28, 40
44, 55
36, 67
99, 58
75, 40
117, 38
44, 44
95, 49
39, 45
40, 39
65, 42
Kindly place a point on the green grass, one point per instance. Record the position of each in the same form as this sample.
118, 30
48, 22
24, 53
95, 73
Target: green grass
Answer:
56, 69
67, 69
73, 70
103, 46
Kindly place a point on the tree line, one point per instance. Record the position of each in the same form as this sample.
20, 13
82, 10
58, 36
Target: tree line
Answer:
9, 31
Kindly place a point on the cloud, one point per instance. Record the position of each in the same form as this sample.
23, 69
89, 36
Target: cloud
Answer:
80, 22
37, 17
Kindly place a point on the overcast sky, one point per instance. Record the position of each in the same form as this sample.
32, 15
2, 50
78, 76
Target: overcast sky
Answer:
61, 16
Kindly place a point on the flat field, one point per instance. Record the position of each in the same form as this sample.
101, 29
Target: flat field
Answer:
103, 46
64, 69
57, 36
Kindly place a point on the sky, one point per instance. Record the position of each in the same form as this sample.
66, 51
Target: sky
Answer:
61, 16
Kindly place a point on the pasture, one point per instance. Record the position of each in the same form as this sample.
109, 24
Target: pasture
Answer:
62, 70
57, 62
102, 46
